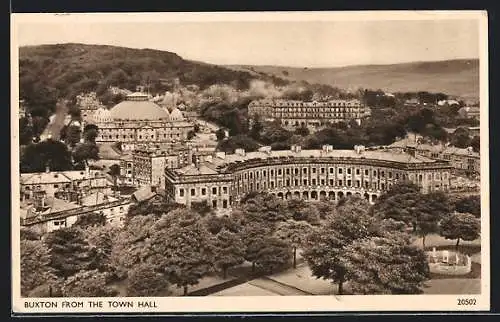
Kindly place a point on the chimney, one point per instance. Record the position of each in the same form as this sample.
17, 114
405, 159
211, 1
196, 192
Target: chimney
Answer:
47, 169
359, 148
240, 152
327, 148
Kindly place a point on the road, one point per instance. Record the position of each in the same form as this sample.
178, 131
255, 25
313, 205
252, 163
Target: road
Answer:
56, 122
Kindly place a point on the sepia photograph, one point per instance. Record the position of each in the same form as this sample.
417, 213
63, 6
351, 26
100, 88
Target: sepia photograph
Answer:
182, 162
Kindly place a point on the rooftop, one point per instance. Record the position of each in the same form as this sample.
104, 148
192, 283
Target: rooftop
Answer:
221, 159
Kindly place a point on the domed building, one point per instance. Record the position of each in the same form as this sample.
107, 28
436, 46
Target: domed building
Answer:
137, 120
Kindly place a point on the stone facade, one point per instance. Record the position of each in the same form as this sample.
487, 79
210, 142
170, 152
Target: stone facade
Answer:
311, 114
307, 174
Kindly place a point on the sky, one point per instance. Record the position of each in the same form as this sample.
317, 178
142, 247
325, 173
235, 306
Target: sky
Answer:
304, 43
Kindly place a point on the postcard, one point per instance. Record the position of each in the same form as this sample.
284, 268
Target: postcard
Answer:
250, 162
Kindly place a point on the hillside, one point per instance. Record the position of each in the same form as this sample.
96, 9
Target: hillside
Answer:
454, 77
50, 72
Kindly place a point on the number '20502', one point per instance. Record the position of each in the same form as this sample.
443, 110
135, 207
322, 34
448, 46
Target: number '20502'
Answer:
466, 301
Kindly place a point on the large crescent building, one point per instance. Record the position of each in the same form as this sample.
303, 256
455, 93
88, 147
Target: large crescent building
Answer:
222, 180
137, 120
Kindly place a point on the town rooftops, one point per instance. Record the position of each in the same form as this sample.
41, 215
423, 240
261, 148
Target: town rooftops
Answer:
59, 176
212, 163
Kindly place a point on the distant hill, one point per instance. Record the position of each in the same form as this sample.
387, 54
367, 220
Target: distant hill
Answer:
453, 77
47, 72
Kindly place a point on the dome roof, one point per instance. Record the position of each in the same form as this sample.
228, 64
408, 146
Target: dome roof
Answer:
176, 115
136, 109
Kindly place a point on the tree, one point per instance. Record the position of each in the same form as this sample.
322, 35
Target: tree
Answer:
430, 209
302, 131
25, 131
35, 268
325, 246
201, 207
221, 134
90, 220
264, 208
399, 203
216, 223
85, 151
90, 133
87, 284
101, 240
129, 247
460, 226
460, 138
253, 236
53, 154
476, 144
256, 128
181, 247
143, 280
73, 135
229, 250
383, 265
295, 234
274, 254
114, 171
470, 204
69, 252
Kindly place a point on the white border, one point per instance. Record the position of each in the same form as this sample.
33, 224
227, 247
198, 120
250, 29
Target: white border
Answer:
253, 303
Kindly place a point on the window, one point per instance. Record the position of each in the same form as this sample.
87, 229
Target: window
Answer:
304, 170
272, 184
56, 186
121, 209
348, 183
358, 183
322, 182
214, 203
287, 171
272, 172
203, 191
181, 192
331, 182
331, 170
214, 190
382, 186
322, 170
296, 182
357, 171
224, 203
375, 173
251, 175
313, 182
348, 170
313, 170
397, 175
279, 172
366, 172
366, 184
390, 175
340, 182
383, 174
264, 173
305, 182
288, 182
296, 171
340, 170
224, 190
193, 192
